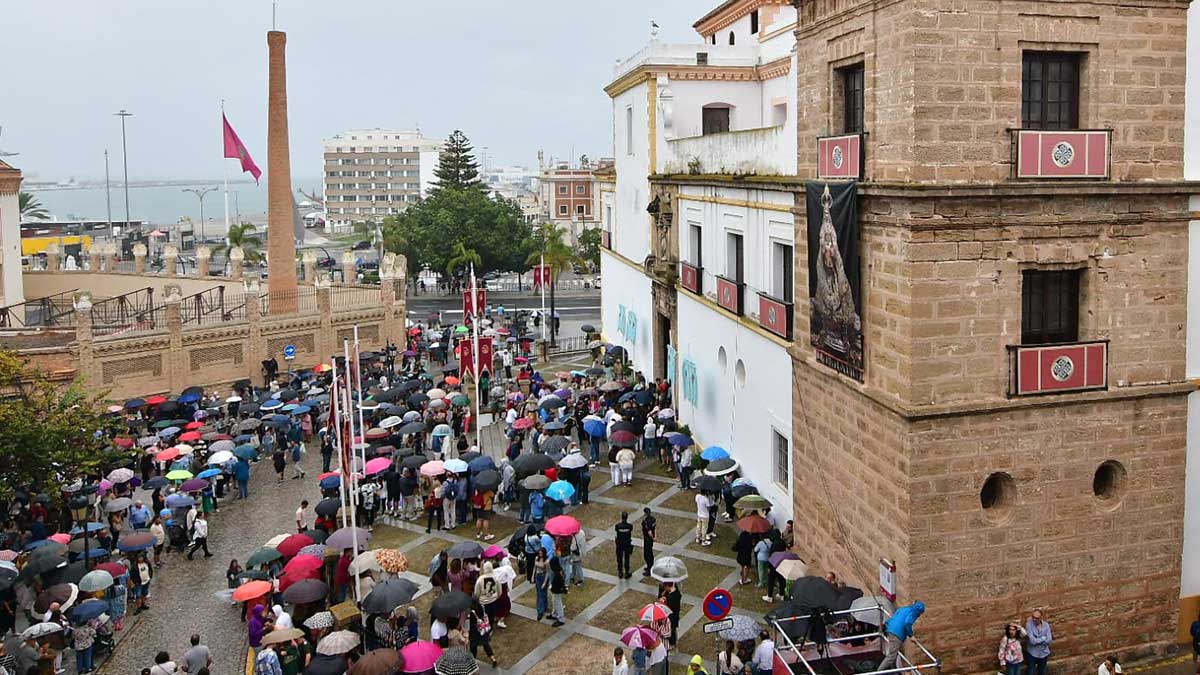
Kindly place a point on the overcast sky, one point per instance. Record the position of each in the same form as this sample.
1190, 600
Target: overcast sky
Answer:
516, 76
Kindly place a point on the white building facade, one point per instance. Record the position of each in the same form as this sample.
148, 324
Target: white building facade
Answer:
699, 230
370, 174
11, 283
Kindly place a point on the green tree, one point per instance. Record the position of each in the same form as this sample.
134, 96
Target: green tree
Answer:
245, 236
50, 433
462, 259
457, 169
429, 231
589, 248
547, 244
31, 208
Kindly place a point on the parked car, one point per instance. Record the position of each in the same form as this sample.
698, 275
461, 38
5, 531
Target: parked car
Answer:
361, 245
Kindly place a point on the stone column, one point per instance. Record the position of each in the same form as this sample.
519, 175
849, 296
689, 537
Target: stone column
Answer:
349, 267
281, 240
255, 349
203, 255
309, 262
390, 330
139, 258
93, 254
176, 364
236, 258
170, 258
83, 337
326, 335
114, 256
53, 257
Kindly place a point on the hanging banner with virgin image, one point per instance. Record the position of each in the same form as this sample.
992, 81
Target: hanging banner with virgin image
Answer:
834, 277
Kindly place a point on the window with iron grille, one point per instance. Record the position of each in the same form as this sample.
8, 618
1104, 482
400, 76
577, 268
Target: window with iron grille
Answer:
852, 93
1050, 90
781, 449
1049, 306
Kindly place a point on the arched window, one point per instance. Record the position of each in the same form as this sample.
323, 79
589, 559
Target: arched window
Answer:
730, 37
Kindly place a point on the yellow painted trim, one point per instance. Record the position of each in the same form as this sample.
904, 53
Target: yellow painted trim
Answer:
764, 206
744, 321
698, 73
652, 116
627, 81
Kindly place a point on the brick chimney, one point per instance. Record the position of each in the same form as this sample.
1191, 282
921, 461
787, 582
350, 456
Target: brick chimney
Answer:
281, 244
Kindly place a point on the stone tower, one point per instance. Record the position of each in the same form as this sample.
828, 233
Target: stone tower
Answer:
281, 243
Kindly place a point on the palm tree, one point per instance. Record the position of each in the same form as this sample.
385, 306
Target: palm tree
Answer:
245, 236
31, 208
548, 245
462, 257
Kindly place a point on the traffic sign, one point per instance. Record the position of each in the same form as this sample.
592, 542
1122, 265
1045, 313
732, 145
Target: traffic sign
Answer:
717, 626
289, 352
717, 605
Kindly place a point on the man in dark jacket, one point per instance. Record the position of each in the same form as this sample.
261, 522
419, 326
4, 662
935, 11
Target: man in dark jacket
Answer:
624, 546
649, 532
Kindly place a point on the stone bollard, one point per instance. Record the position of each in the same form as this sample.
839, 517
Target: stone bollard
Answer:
53, 257
170, 258
308, 260
114, 256
349, 267
93, 255
139, 258
236, 259
203, 256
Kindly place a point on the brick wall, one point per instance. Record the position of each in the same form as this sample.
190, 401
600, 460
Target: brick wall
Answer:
943, 82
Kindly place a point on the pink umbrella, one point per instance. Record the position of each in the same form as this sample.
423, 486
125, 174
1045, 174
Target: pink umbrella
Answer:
378, 465
639, 636
303, 562
420, 656
8, 556
655, 611
61, 537
433, 467
494, 551
562, 526
105, 485
522, 424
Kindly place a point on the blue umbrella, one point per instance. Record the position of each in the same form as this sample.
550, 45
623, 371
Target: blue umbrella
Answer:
165, 513
280, 421
242, 438
181, 463
88, 610
178, 501
289, 407
643, 396
91, 527
714, 452
301, 410
625, 397
190, 397
271, 404
594, 428
560, 490
94, 553
168, 432
330, 482
680, 440
245, 452
37, 544
134, 403
482, 463
208, 473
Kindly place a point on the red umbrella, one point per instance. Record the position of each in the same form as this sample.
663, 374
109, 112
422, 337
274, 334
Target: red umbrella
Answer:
192, 426
189, 436
655, 611
327, 474
303, 562
522, 424
754, 524
562, 526
123, 442
167, 455
292, 545
156, 400
322, 368
251, 590
622, 437
115, 569
295, 577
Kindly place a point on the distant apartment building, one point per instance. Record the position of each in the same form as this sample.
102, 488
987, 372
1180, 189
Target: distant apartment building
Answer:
374, 173
570, 196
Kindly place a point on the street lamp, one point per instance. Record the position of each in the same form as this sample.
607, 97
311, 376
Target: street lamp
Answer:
201, 193
125, 161
81, 508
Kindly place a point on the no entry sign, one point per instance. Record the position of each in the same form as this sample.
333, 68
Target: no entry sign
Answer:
717, 604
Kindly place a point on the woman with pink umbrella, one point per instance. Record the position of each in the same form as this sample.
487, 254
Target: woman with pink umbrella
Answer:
421, 656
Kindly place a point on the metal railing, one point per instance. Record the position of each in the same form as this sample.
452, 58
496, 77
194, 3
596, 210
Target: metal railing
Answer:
128, 312
302, 300
56, 310
566, 345
498, 286
348, 297
805, 656
214, 305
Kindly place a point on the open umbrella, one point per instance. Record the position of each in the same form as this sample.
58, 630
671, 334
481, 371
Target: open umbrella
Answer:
88, 609
754, 524
328, 507
319, 620
118, 504
450, 605
414, 427
639, 637
63, 594
792, 569
433, 468
655, 611
714, 452
478, 464
680, 440
594, 427
814, 592
465, 550
156, 483
389, 595
364, 562
622, 438
378, 465
282, 635
303, 563
780, 556
179, 474
344, 538
721, 467
193, 485
531, 463
562, 526
338, 642
263, 556
487, 480
456, 466
40, 630
669, 568
391, 560
119, 476
219, 458
137, 541
575, 460
422, 655
382, 661
306, 590
707, 484
867, 609
96, 580
752, 502
744, 628
560, 490
292, 544
538, 482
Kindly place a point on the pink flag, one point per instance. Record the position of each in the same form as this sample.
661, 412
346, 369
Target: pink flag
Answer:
234, 148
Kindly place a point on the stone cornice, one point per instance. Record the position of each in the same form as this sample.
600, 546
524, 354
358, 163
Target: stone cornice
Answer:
10, 179
728, 13
681, 72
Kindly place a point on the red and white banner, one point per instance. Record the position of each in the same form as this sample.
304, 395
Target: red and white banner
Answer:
471, 309
541, 275
466, 355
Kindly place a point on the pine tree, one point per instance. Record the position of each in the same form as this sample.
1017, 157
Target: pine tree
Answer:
456, 168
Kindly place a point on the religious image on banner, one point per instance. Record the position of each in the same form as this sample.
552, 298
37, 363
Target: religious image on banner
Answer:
834, 277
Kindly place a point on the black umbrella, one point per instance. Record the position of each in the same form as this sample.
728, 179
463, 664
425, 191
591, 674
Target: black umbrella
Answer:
707, 484
719, 466
318, 536
814, 592
287, 394
387, 396
469, 455
414, 462
253, 575
156, 483
595, 371
8, 577
622, 425
740, 491
328, 507
389, 595
450, 366
305, 590
450, 605
412, 427
417, 399
409, 385
551, 402
519, 534
487, 480
69, 574
588, 328
531, 463
41, 565
165, 409
465, 550
195, 389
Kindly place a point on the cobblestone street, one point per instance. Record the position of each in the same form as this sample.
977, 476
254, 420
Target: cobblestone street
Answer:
183, 600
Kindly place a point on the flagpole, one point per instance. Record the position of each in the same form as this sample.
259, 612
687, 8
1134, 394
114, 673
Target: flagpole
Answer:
225, 165
353, 474
542, 283
477, 362
362, 429
335, 421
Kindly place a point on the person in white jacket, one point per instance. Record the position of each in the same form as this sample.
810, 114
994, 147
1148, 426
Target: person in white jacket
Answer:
625, 459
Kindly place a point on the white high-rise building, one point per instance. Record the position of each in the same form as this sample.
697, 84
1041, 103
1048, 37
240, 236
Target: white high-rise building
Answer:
374, 173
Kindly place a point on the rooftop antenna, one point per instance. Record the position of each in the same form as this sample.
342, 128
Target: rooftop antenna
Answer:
3, 153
